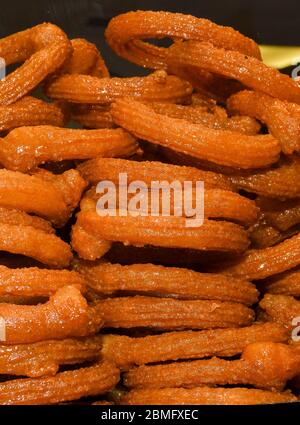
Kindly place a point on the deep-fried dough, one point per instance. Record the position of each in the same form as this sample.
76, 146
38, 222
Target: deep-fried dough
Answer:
167, 313
206, 395
207, 84
218, 204
86, 59
91, 115
98, 116
43, 48
44, 358
30, 111
200, 99
232, 149
35, 282
263, 234
88, 89
25, 148
281, 117
69, 183
169, 232
64, 386
247, 70
179, 158
280, 214
125, 33
217, 118
287, 283
66, 314
88, 246
261, 263
281, 308
33, 242
47, 199
184, 331
16, 217
280, 182
113, 279
98, 169
264, 365
127, 352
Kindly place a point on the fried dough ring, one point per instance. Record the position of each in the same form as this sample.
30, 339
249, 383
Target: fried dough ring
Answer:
43, 48
34, 194
64, 386
44, 358
86, 59
281, 117
98, 169
264, 365
262, 263
125, 33
233, 149
281, 182
206, 395
218, 203
169, 232
34, 282
126, 352
69, 183
33, 241
25, 148
88, 89
66, 314
287, 283
280, 308
30, 111
113, 279
93, 244
167, 313
232, 64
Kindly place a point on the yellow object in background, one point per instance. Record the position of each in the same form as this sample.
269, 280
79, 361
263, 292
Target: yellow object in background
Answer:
280, 56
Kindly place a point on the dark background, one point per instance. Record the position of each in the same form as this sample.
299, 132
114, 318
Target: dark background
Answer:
267, 21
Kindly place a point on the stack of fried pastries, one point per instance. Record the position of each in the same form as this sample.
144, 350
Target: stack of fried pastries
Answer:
135, 307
